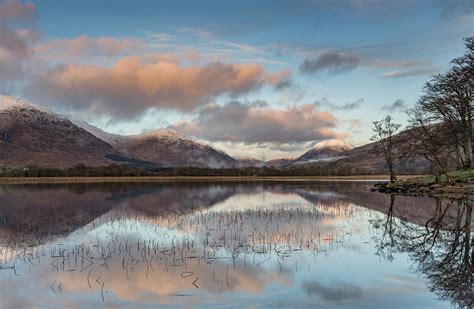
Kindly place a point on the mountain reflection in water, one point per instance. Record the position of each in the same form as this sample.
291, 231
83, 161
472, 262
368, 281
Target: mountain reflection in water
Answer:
232, 244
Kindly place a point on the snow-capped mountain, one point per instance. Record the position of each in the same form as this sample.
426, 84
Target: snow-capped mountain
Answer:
328, 150
170, 148
32, 135
165, 147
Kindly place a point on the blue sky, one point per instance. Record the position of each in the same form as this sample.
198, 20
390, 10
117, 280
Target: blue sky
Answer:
284, 75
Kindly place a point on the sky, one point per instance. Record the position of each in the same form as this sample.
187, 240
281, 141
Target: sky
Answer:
261, 79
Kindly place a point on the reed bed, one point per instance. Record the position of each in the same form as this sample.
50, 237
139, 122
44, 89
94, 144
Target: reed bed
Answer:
199, 249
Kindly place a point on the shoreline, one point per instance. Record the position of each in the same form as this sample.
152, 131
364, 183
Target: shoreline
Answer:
463, 185
456, 191
72, 180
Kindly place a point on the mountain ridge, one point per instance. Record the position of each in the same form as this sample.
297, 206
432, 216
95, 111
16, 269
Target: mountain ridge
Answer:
166, 147
32, 135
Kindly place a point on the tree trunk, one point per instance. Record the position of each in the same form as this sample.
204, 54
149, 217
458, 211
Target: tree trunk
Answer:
467, 243
460, 161
469, 136
438, 175
468, 152
393, 177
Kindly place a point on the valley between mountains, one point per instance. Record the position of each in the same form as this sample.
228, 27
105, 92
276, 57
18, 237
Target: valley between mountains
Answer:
33, 135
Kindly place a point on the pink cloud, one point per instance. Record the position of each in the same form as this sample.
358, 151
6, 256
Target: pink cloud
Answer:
135, 84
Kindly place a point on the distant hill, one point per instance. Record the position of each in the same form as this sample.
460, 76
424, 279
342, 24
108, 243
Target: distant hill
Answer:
279, 162
326, 151
369, 159
250, 162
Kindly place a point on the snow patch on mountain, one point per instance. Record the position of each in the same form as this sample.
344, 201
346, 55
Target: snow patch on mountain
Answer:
333, 144
164, 146
169, 135
163, 133
9, 103
328, 150
34, 135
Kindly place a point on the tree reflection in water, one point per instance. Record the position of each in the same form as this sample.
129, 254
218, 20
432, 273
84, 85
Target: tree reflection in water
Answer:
180, 243
441, 250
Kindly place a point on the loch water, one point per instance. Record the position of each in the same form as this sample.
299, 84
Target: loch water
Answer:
232, 244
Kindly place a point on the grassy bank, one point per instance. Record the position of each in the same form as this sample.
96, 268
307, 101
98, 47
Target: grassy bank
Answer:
60, 180
463, 185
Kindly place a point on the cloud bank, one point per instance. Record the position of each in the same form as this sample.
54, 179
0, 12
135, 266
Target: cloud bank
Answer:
135, 84
258, 123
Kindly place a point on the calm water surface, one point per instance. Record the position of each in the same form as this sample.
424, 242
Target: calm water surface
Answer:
293, 244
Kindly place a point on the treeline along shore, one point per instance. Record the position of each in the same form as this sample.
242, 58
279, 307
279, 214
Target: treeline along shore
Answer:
117, 170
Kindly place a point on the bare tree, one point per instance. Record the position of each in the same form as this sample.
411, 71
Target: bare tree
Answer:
384, 130
448, 98
431, 140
